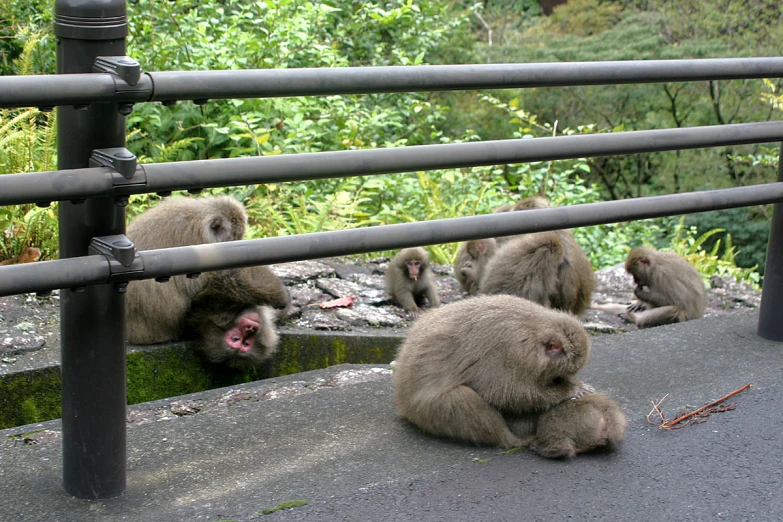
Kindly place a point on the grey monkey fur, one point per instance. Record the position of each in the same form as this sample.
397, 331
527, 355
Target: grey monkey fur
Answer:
472, 258
574, 426
466, 365
156, 311
669, 288
409, 279
548, 268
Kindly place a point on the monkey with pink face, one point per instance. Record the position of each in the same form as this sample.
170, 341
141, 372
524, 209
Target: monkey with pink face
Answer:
409, 279
228, 314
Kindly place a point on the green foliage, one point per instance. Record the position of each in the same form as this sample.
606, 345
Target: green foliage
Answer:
232, 34
20, 22
645, 35
690, 245
27, 144
581, 18
749, 26
749, 233
563, 183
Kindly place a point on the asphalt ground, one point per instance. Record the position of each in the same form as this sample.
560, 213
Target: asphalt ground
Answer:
331, 438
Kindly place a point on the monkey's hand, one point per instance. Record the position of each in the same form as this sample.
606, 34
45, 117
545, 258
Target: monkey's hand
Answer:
638, 306
582, 389
643, 293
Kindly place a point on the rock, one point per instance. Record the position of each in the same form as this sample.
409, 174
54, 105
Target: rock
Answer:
30, 324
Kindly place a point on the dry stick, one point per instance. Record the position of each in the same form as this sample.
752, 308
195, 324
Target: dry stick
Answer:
695, 412
657, 408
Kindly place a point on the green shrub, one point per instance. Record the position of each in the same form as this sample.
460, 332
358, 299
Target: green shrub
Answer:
27, 144
690, 245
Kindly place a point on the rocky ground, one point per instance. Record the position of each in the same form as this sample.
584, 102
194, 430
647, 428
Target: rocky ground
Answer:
29, 324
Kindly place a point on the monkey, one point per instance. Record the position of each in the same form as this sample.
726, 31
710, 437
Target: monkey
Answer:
548, 268
503, 208
669, 288
530, 203
471, 259
577, 426
227, 324
156, 311
467, 365
409, 278
533, 202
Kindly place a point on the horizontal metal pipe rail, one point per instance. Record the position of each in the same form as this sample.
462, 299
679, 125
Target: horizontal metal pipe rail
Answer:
88, 270
80, 89
164, 177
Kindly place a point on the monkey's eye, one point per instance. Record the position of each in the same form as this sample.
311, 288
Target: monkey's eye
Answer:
235, 338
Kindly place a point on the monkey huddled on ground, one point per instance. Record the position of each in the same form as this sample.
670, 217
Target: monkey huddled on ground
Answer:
472, 257
669, 288
467, 366
159, 312
409, 278
574, 426
548, 268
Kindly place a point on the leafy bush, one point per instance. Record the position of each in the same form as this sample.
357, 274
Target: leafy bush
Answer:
27, 144
22, 21
749, 233
688, 244
231, 34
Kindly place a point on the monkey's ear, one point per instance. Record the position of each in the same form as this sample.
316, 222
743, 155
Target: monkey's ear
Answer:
553, 347
217, 226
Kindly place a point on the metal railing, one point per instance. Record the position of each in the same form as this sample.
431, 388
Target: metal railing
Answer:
96, 86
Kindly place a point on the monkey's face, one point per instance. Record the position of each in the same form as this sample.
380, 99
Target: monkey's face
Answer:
238, 339
241, 337
414, 268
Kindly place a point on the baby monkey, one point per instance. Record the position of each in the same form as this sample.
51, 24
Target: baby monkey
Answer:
466, 365
471, 259
574, 426
409, 279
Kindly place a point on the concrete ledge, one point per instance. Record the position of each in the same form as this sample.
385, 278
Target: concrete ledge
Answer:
154, 372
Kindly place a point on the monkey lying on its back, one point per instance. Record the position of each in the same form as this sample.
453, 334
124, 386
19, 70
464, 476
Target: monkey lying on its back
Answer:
228, 314
467, 364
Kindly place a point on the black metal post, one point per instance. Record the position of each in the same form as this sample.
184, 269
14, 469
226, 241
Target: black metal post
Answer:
92, 318
770, 323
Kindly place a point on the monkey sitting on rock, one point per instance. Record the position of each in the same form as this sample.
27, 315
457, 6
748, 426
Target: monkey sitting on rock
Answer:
409, 279
549, 268
669, 289
468, 365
